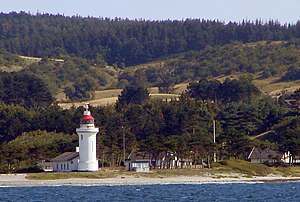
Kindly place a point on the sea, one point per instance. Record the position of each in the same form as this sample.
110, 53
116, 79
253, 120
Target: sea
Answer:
275, 191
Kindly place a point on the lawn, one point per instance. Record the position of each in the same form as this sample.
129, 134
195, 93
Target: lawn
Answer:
228, 168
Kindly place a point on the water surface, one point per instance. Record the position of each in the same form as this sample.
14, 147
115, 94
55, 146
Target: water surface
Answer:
288, 191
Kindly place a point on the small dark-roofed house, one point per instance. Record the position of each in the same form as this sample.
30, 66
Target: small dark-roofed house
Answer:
267, 155
137, 162
65, 162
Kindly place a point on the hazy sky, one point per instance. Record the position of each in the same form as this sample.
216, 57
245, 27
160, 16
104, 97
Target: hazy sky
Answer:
285, 11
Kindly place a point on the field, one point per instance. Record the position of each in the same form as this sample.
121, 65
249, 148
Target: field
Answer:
219, 170
111, 100
24, 62
271, 86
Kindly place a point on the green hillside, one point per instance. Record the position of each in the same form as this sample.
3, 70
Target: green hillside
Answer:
266, 59
274, 67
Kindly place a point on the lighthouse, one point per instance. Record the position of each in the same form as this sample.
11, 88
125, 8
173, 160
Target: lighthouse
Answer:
87, 142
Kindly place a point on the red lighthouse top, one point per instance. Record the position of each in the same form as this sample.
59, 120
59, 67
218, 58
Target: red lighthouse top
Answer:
87, 118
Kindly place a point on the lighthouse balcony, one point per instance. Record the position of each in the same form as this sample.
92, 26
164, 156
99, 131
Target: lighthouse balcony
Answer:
87, 125
87, 130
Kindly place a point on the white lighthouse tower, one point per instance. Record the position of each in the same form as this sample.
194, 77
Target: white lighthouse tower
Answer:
87, 142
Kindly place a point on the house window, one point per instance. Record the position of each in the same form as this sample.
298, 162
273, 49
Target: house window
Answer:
71, 162
64, 166
82, 137
67, 166
61, 166
57, 166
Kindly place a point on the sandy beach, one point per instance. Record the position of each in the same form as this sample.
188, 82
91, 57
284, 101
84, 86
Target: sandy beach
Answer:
21, 180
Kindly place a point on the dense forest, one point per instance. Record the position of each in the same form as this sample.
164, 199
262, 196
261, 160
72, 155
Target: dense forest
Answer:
80, 55
126, 42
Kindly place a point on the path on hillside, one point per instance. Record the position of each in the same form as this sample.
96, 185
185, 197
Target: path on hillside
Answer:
261, 134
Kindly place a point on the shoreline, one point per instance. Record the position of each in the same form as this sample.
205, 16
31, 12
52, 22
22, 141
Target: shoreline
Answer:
19, 180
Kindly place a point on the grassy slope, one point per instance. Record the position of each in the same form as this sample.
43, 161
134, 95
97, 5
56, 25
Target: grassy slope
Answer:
111, 100
271, 85
18, 66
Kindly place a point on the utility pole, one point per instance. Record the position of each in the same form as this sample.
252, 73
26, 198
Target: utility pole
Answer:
214, 126
124, 150
103, 160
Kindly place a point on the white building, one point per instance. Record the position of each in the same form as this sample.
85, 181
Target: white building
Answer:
85, 158
136, 161
66, 162
142, 165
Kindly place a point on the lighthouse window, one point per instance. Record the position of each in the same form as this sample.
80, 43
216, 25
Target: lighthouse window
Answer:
81, 137
87, 121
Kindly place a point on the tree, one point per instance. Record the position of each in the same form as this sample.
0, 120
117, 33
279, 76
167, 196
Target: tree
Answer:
83, 89
234, 144
166, 79
37, 146
204, 89
14, 120
132, 95
25, 90
153, 145
242, 117
293, 73
237, 90
177, 145
229, 91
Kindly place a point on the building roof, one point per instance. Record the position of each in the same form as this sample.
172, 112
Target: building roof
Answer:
87, 117
267, 153
136, 155
67, 156
141, 161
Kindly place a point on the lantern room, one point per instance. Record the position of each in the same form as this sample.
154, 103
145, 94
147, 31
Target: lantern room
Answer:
87, 121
